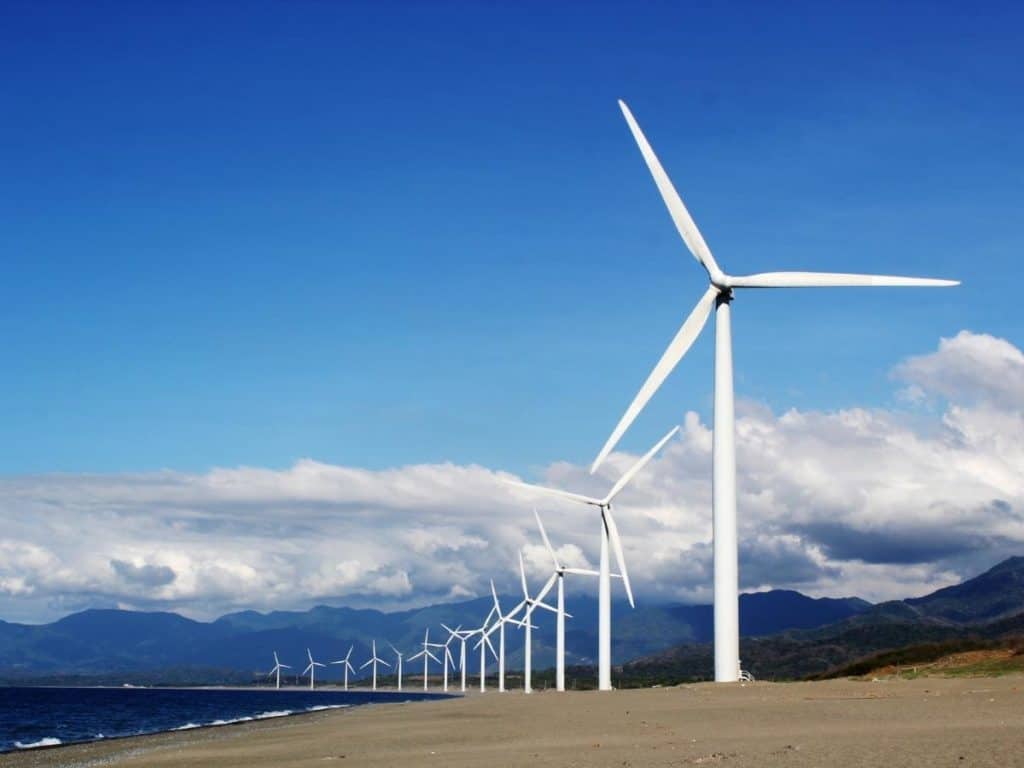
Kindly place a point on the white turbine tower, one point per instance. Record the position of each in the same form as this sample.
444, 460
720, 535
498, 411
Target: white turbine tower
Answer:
719, 296
499, 627
374, 661
346, 666
526, 624
560, 571
609, 538
398, 667
276, 671
427, 655
312, 669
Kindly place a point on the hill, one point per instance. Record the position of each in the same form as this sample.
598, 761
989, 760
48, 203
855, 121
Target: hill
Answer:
987, 607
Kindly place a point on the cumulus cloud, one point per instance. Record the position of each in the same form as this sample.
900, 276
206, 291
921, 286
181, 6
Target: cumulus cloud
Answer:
878, 503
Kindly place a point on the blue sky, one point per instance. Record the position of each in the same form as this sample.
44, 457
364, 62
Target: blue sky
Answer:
382, 234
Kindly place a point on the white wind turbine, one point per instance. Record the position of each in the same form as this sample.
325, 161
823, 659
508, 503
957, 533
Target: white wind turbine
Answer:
609, 537
398, 667
719, 295
276, 671
499, 627
312, 669
374, 661
531, 603
346, 666
427, 654
456, 634
560, 571
483, 644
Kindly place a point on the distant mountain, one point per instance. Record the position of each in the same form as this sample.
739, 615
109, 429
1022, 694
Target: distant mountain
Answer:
139, 645
988, 606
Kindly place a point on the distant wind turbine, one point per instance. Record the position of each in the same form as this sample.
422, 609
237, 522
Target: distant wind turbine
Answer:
427, 654
398, 668
609, 538
527, 625
276, 671
499, 627
312, 669
374, 661
346, 666
719, 296
560, 571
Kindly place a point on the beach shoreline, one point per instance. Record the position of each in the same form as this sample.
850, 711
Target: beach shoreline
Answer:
927, 721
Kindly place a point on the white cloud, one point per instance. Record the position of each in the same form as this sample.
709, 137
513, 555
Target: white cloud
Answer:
880, 503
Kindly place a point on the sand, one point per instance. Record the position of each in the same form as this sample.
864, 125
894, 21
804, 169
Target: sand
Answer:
923, 722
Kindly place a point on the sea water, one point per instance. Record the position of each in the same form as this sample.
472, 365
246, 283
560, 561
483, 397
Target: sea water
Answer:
42, 717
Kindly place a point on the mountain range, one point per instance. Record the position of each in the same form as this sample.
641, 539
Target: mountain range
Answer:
785, 634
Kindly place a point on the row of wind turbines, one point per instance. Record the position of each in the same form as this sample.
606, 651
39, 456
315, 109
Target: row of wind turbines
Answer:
520, 616
718, 297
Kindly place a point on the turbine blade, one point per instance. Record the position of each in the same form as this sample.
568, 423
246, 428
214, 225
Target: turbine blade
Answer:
546, 588
613, 536
522, 574
833, 280
487, 640
494, 593
680, 216
555, 492
678, 347
547, 541
581, 571
631, 472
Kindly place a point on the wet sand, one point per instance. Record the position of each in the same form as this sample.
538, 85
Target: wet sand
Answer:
924, 722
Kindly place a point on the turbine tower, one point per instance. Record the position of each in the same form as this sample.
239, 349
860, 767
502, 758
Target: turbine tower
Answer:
719, 296
609, 539
312, 669
374, 661
346, 666
276, 671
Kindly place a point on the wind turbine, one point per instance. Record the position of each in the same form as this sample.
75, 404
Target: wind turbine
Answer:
426, 654
499, 627
346, 666
483, 644
312, 669
719, 296
531, 603
278, 666
560, 571
374, 661
609, 537
399, 665
456, 634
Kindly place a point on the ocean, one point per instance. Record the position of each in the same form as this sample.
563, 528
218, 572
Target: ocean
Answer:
38, 717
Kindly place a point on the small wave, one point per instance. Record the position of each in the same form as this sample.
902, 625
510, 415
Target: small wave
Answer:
49, 741
321, 707
187, 727
275, 713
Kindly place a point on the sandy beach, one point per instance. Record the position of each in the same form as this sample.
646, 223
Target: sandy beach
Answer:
923, 722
